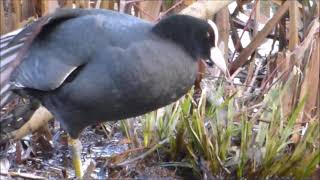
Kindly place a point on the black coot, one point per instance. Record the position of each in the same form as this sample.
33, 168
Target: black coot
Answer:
91, 66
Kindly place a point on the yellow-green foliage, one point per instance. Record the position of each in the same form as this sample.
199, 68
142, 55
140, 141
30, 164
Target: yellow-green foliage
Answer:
202, 132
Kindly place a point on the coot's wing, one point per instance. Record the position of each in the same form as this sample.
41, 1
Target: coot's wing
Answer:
44, 70
15, 47
64, 41
28, 35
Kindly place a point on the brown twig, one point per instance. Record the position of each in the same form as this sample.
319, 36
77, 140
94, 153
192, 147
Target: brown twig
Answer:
22, 175
242, 58
274, 40
270, 77
144, 12
170, 9
245, 28
254, 77
241, 25
235, 37
134, 1
129, 161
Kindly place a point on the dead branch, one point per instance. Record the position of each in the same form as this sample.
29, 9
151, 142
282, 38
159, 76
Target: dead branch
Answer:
241, 25
299, 52
222, 20
235, 36
289, 100
310, 85
293, 29
205, 9
242, 58
151, 9
40, 117
22, 175
142, 156
2, 21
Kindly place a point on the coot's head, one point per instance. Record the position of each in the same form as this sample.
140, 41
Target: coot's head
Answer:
198, 37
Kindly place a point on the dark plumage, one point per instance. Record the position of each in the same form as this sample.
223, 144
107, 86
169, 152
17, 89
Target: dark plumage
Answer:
90, 66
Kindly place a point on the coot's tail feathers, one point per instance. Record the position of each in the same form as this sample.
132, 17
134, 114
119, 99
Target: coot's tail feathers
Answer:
10, 116
17, 111
8, 54
15, 45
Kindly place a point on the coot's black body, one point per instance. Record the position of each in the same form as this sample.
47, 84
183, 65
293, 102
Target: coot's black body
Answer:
90, 66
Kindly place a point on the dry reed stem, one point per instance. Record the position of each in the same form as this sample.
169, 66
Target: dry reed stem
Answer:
256, 42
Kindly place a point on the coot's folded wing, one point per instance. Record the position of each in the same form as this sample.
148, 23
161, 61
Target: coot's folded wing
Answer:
15, 46
69, 39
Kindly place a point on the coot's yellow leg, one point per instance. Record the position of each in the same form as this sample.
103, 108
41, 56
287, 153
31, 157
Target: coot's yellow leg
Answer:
76, 156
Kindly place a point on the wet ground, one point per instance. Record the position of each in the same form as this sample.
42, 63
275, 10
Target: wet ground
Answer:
37, 158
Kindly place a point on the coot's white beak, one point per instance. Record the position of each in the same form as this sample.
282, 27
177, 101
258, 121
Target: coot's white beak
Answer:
216, 55
218, 59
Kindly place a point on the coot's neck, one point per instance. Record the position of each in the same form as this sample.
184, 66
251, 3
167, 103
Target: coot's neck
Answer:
178, 32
